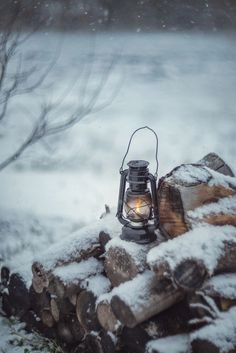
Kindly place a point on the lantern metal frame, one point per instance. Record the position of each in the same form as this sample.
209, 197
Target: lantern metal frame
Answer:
138, 177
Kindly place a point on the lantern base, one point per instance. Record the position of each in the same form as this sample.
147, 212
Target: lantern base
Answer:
140, 235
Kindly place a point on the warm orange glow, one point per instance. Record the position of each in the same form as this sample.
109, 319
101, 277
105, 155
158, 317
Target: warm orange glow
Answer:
138, 205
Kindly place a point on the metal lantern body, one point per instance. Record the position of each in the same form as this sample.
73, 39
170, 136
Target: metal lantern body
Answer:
137, 205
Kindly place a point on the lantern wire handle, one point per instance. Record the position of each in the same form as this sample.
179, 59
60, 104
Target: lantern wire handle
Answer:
130, 140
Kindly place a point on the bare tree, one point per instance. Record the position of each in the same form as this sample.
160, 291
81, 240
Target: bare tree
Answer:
20, 83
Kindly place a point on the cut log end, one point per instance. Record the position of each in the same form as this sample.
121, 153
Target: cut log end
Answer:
189, 275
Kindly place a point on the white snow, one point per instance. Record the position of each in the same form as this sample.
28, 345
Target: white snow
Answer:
76, 272
222, 332
172, 344
204, 243
98, 284
191, 174
226, 205
78, 242
138, 252
222, 285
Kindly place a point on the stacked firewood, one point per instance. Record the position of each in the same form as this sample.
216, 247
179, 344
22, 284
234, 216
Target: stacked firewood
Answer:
96, 293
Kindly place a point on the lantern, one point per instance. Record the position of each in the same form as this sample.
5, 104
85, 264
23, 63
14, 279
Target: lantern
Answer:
137, 204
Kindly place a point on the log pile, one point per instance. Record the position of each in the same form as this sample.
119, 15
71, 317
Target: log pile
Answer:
96, 293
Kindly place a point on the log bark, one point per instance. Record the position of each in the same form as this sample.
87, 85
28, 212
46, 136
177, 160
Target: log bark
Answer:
143, 297
123, 261
7, 307
213, 161
189, 187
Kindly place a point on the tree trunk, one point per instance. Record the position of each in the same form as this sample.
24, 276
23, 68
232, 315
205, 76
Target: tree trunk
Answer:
143, 297
189, 187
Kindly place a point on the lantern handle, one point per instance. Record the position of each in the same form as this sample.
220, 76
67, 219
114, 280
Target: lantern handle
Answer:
130, 140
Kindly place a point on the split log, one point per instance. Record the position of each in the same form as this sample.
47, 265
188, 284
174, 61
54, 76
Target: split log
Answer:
173, 344
124, 260
137, 300
213, 161
47, 318
188, 260
190, 186
86, 302
18, 294
100, 342
217, 337
104, 238
170, 322
81, 245
5, 275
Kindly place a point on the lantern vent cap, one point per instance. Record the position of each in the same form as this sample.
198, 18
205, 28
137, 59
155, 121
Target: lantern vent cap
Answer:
138, 164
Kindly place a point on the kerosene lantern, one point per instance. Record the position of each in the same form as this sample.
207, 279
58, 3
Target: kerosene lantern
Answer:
137, 204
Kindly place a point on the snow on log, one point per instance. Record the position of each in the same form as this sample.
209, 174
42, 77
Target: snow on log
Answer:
197, 254
143, 297
174, 344
124, 260
78, 246
190, 186
217, 337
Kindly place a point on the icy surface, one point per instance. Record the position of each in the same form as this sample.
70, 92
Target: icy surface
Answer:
173, 344
76, 272
222, 332
204, 243
222, 285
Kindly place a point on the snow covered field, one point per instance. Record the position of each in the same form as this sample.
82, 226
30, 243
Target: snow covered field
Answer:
181, 85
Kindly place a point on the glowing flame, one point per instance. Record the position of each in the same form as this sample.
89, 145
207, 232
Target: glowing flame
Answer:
138, 206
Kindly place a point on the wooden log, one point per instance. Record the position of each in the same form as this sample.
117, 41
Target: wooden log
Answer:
5, 275
188, 187
213, 161
219, 336
106, 317
173, 344
172, 321
104, 238
7, 307
39, 301
34, 323
198, 254
143, 297
99, 342
79, 246
47, 318
18, 294
86, 311
123, 260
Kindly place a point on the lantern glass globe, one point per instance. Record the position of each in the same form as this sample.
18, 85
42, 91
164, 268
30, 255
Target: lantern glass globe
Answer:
138, 206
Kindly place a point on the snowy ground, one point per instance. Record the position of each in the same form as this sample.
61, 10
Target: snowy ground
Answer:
181, 85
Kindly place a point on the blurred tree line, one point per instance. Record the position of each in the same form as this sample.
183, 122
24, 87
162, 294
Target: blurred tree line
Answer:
123, 14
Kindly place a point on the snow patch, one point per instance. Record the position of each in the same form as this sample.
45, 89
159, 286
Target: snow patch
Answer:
173, 344
222, 285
